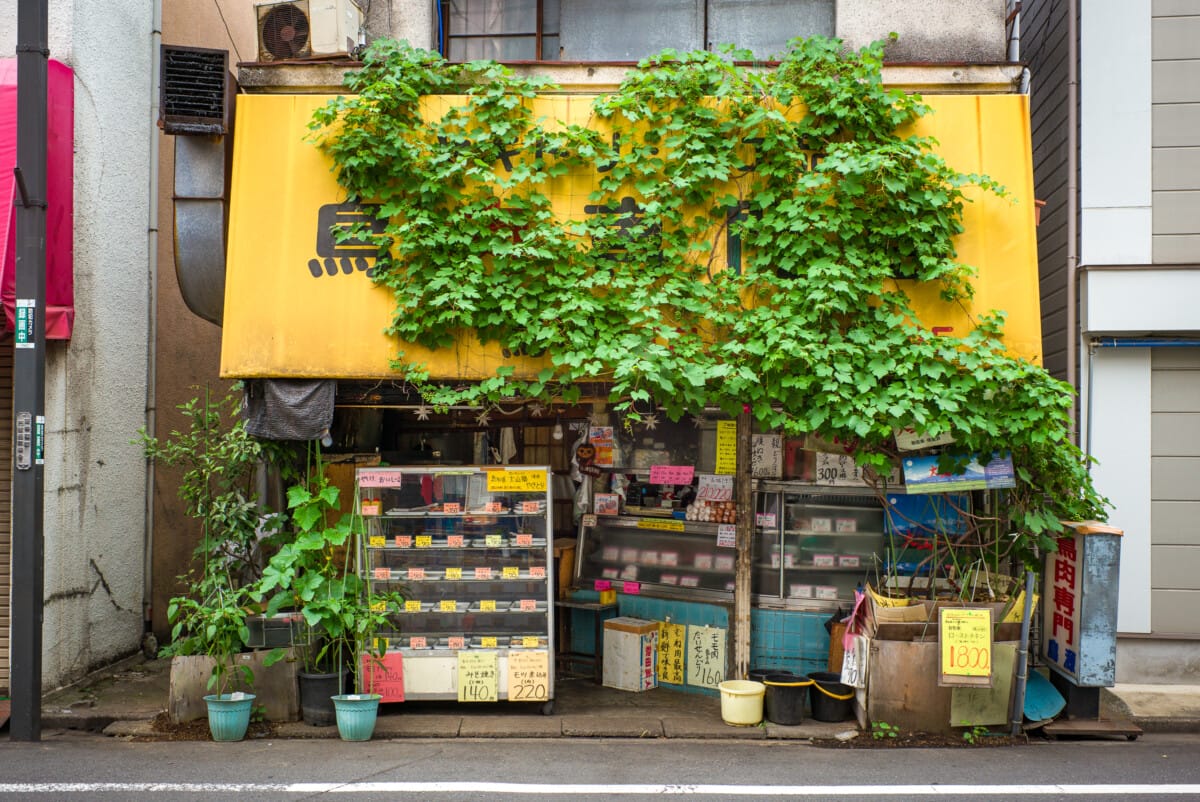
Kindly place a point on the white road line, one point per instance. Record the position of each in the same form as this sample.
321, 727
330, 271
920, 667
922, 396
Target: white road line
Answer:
599, 790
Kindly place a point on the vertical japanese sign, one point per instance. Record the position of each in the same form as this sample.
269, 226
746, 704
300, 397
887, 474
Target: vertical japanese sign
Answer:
726, 447
1060, 619
671, 641
705, 656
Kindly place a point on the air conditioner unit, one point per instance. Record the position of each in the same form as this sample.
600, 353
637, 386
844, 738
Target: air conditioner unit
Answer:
306, 28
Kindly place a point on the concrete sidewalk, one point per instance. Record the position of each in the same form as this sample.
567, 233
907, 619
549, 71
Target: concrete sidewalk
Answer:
125, 698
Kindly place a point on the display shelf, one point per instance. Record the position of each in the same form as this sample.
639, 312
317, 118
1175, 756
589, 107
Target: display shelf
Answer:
469, 550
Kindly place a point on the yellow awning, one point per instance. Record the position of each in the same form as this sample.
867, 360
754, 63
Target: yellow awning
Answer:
298, 306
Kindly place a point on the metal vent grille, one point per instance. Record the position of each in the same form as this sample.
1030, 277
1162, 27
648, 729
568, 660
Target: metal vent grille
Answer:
194, 91
284, 31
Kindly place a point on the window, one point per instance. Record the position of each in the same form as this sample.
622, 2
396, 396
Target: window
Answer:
623, 30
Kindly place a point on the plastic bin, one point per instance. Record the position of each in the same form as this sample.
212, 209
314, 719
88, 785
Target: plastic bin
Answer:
831, 699
742, 702
784, 700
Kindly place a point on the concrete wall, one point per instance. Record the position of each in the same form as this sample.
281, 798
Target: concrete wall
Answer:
95, 497
929, 30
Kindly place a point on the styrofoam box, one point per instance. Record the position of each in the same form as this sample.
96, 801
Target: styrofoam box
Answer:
630, 653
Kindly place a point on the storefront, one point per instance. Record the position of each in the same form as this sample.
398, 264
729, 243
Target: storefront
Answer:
650, 506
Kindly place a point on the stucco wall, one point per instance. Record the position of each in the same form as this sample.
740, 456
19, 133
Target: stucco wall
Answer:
96, 384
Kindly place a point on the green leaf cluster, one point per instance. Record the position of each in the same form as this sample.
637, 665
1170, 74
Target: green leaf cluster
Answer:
835, 209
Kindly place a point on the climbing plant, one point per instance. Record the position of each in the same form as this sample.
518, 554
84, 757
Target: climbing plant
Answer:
747, 246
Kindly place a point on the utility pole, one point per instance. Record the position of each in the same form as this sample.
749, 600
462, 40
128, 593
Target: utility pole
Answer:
29, 372
743, 495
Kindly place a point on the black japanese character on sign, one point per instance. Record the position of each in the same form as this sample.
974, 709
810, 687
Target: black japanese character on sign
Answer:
349, 254
616, 144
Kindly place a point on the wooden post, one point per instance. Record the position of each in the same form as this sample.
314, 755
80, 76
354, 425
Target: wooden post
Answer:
744, 496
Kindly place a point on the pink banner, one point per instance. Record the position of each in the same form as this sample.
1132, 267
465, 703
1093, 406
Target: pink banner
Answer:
672, 474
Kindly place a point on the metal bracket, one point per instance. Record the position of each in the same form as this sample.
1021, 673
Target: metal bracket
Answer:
25, 201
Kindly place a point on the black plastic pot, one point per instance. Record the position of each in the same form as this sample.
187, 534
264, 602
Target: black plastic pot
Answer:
784, 701
316, 692
831, 699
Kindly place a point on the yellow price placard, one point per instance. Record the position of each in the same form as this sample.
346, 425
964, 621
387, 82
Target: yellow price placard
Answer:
516, 481
487, 606
424, 541
454, 573
377, 541
448, 606
379, 607
510, 572
412, 606
965, 638
665, 526
530, 642
380, 644
488, 641
528, 676
493, 540
478, 676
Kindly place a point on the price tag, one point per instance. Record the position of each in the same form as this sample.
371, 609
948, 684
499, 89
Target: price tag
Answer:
764, 519
589, 520
424, 541
488, 642
711, 487
454, 541
671, 474
493, 507
416, 642
666, 526
487, 606
478, 677
447, 606
510, 572
380, 644
483, 573
602, 584
416, 573
454, 573
491, 541
521, 481
631, 588
524, 540
528, 605
529, 642
456, 642
726, 536
528, 676
530, 507
379, 607
412, 606
452, 508
377, 542
538, 572
381, 573
965, 636
404, 541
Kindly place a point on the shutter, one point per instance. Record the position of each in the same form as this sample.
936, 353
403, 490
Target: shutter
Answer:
6, 428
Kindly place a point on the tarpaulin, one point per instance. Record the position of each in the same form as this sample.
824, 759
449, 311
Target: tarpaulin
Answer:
60, 197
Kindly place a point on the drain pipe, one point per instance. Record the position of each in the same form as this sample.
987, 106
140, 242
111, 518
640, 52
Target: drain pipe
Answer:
151, 319
1018, 705
1073, 207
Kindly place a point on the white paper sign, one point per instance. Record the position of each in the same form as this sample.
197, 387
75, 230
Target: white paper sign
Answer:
726, 536
840, 470
766, 456
712, 487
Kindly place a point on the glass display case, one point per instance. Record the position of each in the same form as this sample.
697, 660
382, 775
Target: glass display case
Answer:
814, 546
470, 551
677, 558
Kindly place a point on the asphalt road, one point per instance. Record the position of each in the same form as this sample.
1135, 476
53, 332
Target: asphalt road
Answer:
77, 766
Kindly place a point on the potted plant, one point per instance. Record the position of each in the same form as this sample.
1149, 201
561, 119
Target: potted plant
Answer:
313, 574
218, 460
357, 712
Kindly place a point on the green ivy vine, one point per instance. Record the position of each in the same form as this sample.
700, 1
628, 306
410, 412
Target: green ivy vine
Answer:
804, 168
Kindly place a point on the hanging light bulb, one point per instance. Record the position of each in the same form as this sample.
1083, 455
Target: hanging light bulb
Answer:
557, 431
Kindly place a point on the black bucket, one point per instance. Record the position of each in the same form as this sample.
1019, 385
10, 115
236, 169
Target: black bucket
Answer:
785, 697
760, 674
316, 692
832, 700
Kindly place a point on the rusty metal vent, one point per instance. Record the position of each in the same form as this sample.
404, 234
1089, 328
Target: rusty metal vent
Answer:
195, 83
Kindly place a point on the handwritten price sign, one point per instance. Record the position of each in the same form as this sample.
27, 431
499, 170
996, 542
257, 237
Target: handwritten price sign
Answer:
516, 481
377, 478
965, 640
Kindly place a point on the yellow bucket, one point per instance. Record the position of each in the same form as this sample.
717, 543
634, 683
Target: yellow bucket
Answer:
742, 702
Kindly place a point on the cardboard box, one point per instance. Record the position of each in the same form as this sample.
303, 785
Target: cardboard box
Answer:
630, 654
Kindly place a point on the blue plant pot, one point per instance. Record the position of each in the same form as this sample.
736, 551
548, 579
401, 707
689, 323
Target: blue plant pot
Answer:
356, 714
228, 718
